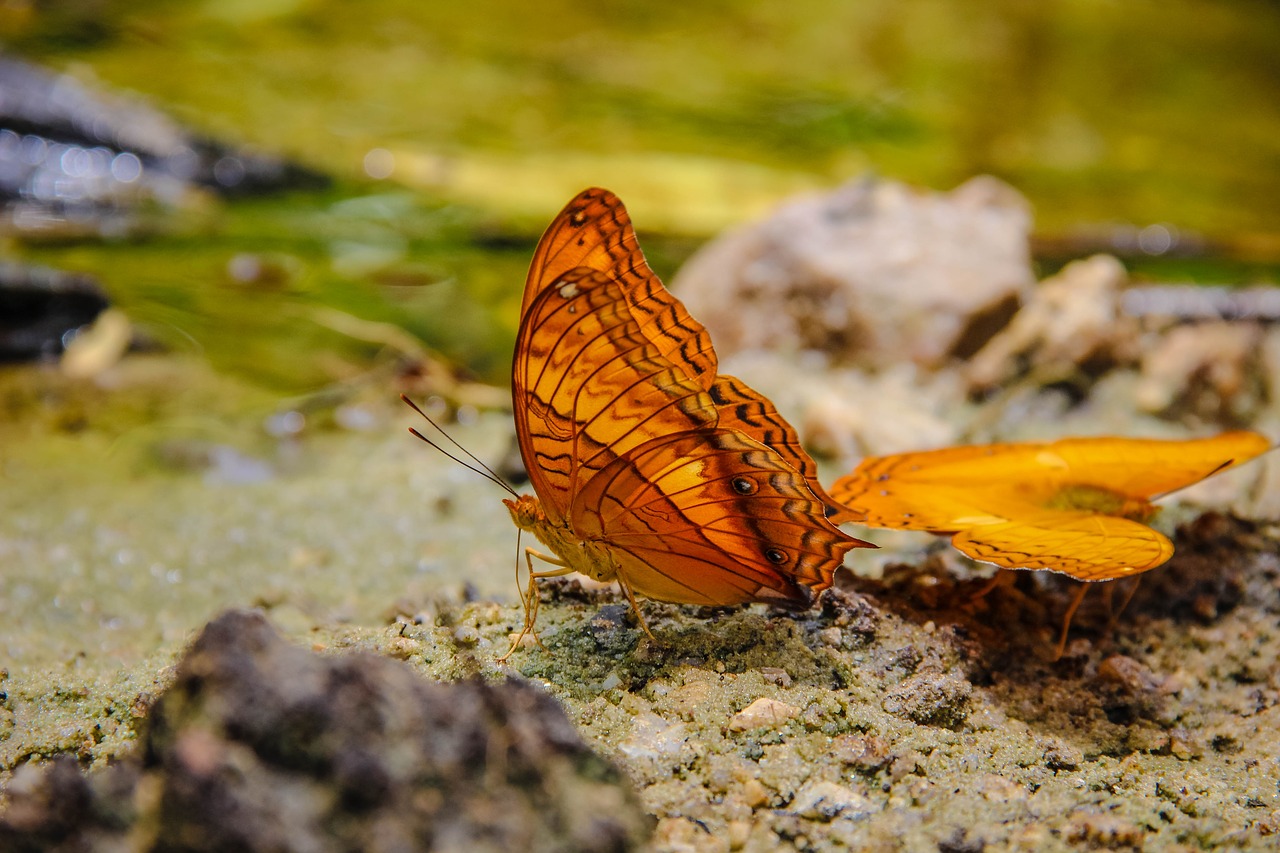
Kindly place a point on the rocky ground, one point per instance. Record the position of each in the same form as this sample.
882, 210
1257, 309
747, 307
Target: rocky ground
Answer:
902, 714
906, 711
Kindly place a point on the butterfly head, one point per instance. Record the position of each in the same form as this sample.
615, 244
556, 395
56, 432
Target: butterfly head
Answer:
527, 512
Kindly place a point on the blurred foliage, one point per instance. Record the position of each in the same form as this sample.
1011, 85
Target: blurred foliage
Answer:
1098, 110
699, 114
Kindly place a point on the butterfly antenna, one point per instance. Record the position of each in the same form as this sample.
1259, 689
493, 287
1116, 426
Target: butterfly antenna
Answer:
524, 603
479, 467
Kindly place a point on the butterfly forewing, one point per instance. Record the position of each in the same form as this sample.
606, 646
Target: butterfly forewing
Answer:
595, 231
1150, 468
938, 509
888, 486
949, 466
587, 386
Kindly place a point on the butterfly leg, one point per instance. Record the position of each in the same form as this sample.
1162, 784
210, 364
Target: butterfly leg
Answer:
529, 597
1000, 578
1128, 596
1066, 620
1124, 604
635, 606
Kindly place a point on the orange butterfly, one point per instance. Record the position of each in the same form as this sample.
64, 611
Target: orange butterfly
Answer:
650, 469
1075, 506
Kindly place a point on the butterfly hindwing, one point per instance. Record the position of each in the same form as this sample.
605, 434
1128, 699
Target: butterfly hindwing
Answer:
753, 414
712, 517
1085, 546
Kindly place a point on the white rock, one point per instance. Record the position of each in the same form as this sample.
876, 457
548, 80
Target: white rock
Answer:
828, 800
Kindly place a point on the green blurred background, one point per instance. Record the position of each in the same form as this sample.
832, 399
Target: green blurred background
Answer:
489, 115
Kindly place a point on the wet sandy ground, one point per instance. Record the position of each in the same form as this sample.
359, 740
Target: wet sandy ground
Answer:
898, 715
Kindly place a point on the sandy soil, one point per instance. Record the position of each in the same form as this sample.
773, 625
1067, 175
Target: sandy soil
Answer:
899, 715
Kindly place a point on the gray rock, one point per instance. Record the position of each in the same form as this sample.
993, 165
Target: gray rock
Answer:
260, 745
873, 273
39, 306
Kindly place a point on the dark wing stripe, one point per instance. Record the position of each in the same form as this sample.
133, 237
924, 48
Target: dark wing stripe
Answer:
673, 330
742, 408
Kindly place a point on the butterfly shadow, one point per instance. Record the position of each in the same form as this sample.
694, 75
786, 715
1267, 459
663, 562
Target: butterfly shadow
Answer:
1122, 669
996, 611
1220, 563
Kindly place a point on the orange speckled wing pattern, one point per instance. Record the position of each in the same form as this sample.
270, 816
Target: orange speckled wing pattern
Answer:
595, 232
1009, 504
588, 386
694, 482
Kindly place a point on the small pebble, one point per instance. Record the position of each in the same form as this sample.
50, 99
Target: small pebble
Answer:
1063, 757
997, 789
760, 713
1128, 673
681, 833
865, 752
526, 640
755, 794
825, 801
1183, 745
776, 675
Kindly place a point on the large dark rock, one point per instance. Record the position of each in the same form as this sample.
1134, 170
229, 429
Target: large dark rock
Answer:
39, 306
260, 745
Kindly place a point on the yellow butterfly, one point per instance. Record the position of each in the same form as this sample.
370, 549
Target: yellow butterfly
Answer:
1076, 506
